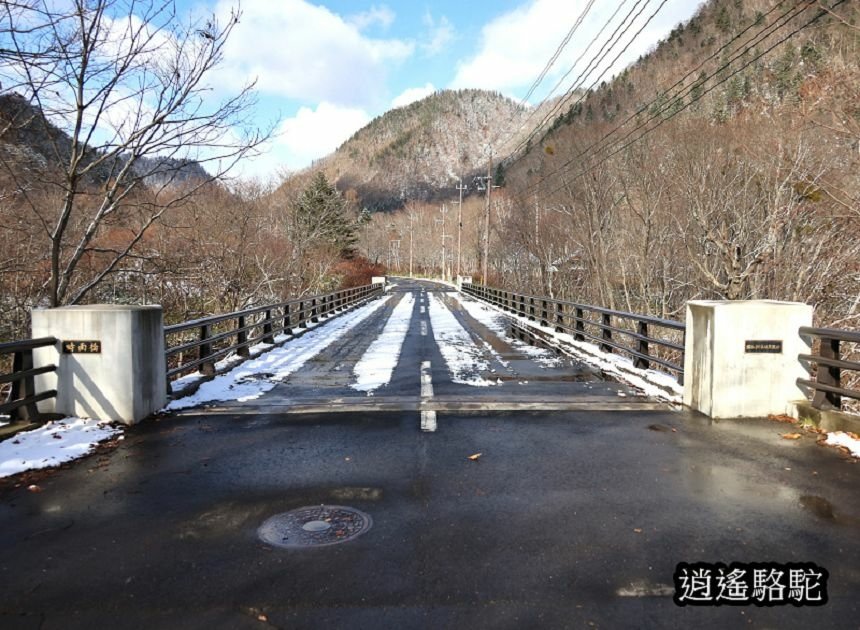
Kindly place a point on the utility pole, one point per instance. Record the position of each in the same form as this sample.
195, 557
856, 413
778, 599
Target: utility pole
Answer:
411, 229
444, 211
487, 221
461, 188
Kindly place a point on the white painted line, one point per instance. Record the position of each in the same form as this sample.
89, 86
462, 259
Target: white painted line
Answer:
428, 418
428, 421
423, 328
423, 310
426, 380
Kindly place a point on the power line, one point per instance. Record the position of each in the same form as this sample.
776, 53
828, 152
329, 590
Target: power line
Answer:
671, 102
546, 69
611, 64
558, 50
567, 74
686, 76
693, 100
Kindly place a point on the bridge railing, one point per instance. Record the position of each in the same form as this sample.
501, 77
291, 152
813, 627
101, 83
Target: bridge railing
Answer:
198, 344
828, 384
19, 401
649, 341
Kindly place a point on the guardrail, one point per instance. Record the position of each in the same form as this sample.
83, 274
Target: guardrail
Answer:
210, 338
827, 386
20, 402
586, 322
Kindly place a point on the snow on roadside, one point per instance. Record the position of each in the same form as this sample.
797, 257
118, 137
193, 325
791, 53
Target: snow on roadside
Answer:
650, 382
377, 364
230, 360
464, 358
840, 438
495, 321
52, 444
255, 377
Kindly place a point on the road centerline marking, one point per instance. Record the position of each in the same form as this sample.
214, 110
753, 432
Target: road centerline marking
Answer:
428, 417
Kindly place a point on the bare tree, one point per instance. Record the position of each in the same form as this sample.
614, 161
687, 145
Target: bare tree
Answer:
120, 92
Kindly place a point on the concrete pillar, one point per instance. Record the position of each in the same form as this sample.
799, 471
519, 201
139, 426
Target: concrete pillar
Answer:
740, 357
118, 374
461, 280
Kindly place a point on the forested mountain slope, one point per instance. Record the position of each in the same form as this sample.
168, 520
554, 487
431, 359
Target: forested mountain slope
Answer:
417, 151
722, 165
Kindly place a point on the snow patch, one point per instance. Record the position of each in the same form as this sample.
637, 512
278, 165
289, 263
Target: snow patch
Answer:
52, 444
651, 383
840, 438
377, 364
255, 377
495, 321
464, 358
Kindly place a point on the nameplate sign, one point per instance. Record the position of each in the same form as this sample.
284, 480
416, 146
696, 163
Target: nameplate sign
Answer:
763, 346
74, 346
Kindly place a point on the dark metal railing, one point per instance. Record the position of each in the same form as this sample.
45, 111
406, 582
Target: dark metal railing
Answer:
605, 327
20, 401
210, 338
827, 386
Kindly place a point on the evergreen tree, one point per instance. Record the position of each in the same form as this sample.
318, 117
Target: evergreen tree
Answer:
320, 213
499, 179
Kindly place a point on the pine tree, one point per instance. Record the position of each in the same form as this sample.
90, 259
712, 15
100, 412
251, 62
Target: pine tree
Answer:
320, 213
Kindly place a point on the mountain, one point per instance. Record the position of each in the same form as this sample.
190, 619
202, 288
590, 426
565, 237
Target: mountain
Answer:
31, 145
418, 151
734, 62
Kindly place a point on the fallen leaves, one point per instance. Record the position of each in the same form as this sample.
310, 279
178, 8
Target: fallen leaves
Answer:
638, 530
782, 418
475, 457
792, 436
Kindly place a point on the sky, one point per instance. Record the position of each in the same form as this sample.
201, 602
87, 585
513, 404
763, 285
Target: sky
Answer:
324, 69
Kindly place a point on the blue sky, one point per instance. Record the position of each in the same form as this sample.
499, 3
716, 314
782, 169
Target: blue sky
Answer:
326, 68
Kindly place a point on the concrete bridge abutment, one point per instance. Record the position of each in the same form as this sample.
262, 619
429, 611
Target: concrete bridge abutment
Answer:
109, 358
741, 357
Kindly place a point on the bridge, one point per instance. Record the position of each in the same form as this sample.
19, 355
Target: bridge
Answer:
414, 454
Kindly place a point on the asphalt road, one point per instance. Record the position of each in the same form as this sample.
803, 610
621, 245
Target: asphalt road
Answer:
574, 517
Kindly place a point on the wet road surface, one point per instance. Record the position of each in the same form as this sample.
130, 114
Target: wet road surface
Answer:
574, 517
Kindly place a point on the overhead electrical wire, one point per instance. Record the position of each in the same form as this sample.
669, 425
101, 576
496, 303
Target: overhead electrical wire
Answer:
592, 65
679, 81
558, 84
547, 67
663, 120
757, 38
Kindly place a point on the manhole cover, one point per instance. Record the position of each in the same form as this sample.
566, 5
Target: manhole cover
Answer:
315, 526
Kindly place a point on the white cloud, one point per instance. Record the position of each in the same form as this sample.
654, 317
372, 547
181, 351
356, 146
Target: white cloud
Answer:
308, 135
413, 94
376, 15
302, 51
516, 45
440, 33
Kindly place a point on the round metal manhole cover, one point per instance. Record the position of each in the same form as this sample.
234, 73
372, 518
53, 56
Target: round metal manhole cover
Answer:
315, 526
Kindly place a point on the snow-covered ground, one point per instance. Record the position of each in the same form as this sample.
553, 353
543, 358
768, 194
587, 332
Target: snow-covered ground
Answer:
52, 444
377, 364
230, 360
840, 438
495, 321
464, 358
255, 377
650, 382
